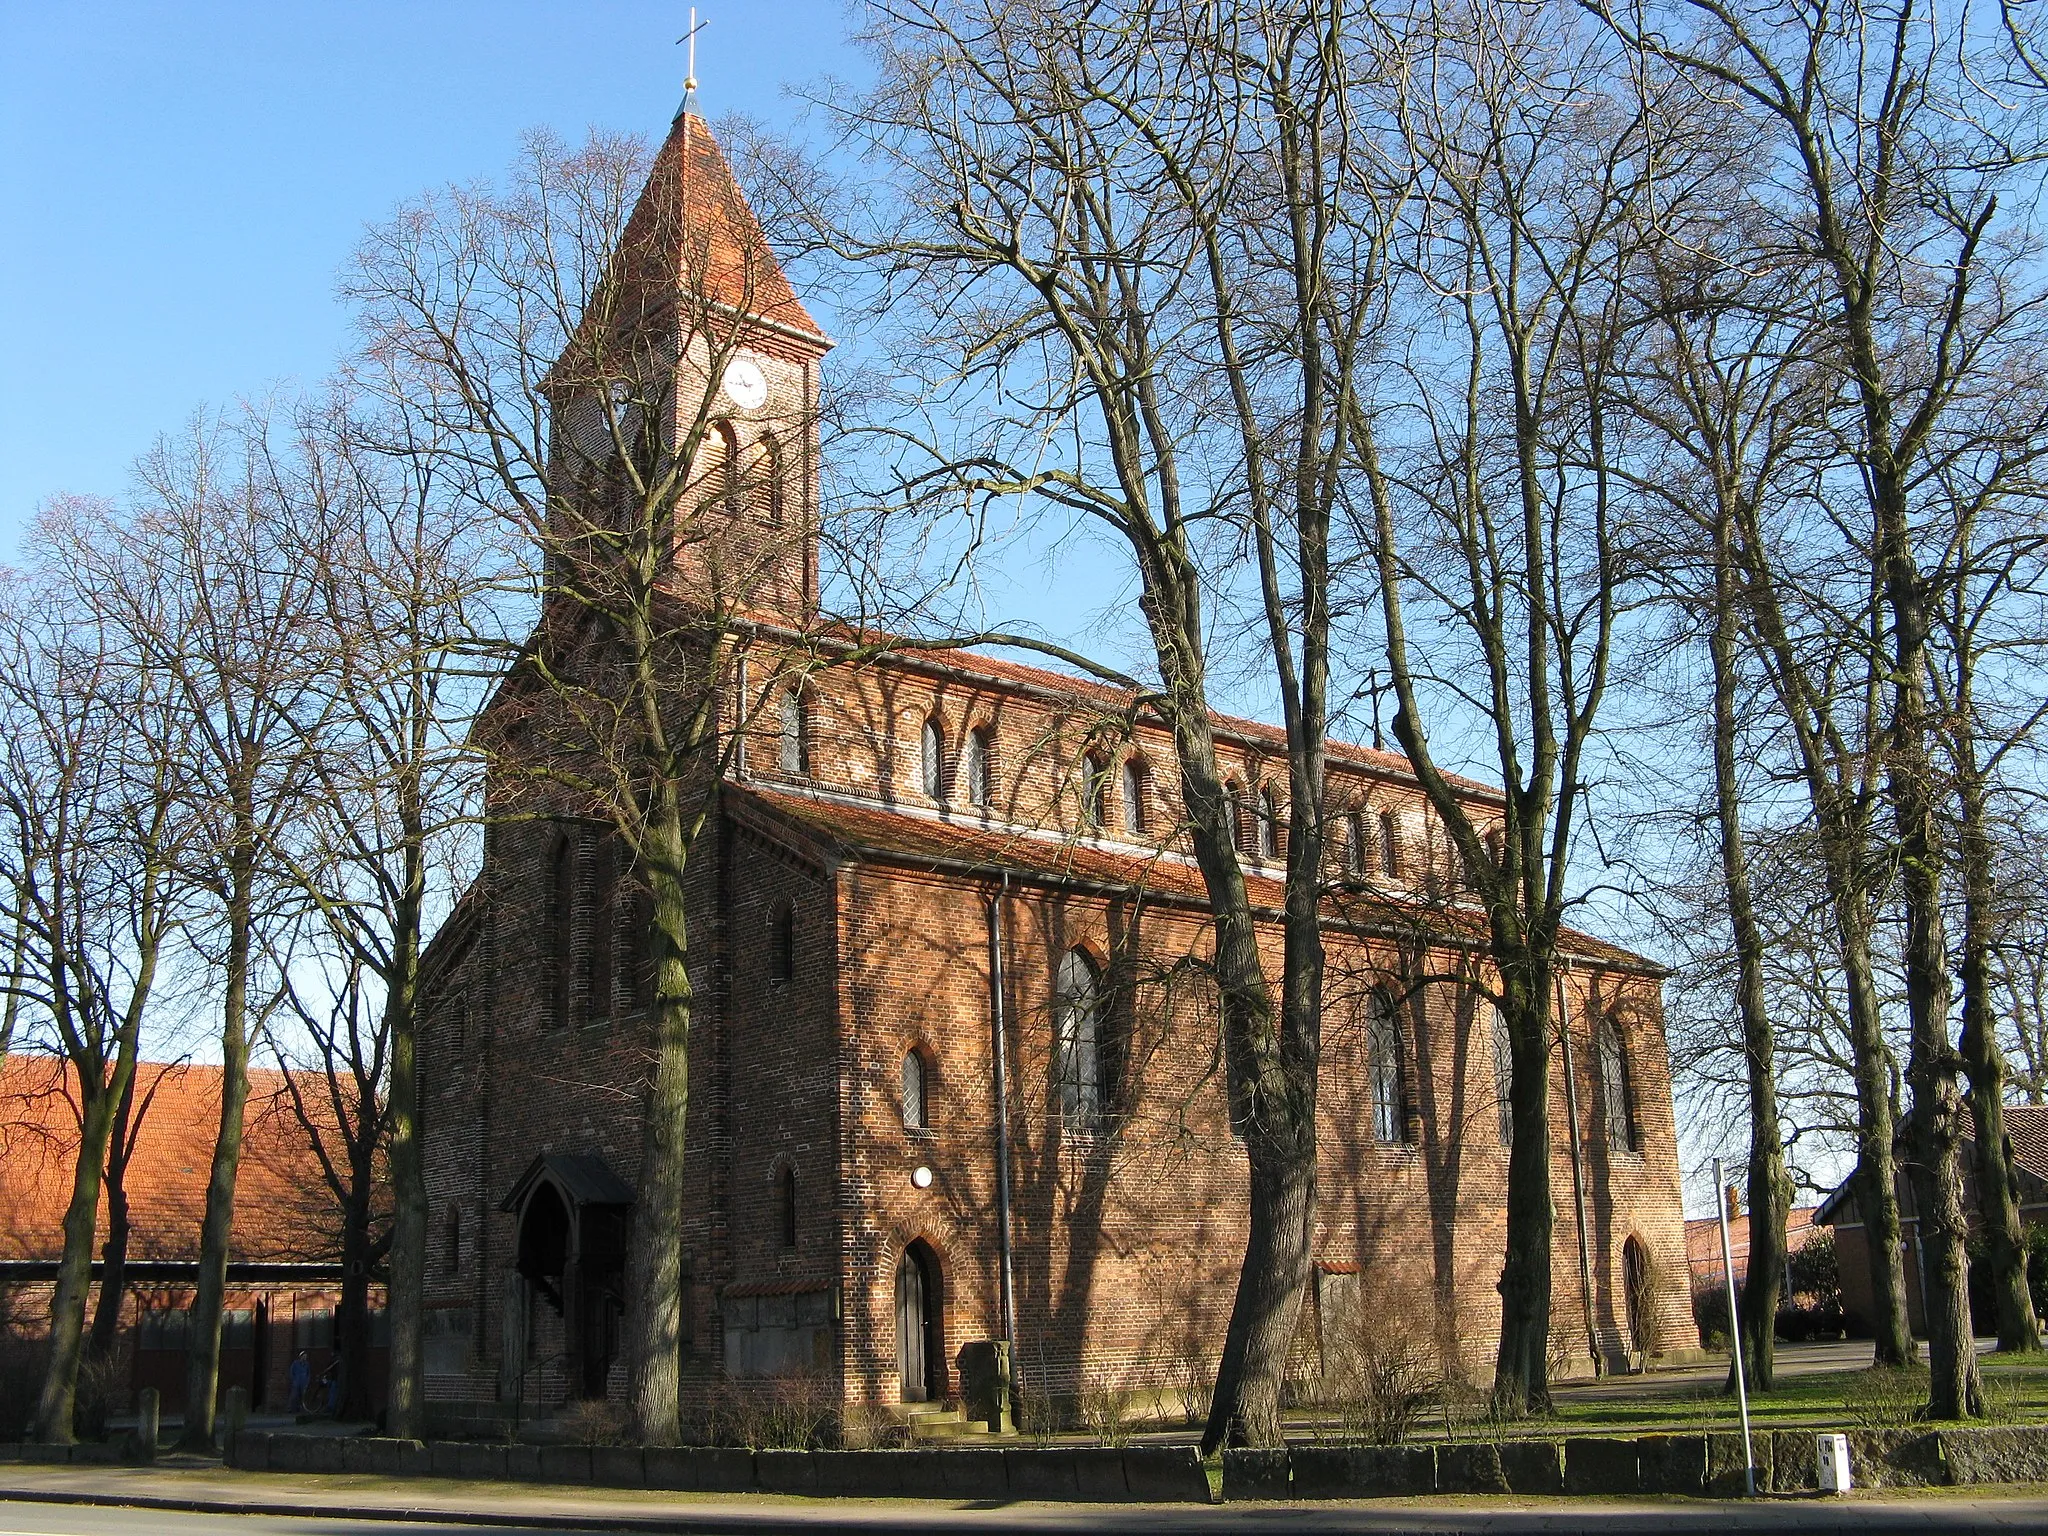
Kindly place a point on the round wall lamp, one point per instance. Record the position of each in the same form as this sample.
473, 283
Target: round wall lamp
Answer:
921, 1177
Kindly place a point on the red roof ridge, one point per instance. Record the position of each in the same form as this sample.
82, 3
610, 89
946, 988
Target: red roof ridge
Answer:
873, 828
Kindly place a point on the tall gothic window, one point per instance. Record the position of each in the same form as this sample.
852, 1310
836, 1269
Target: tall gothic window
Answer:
782, 942
916, 1107
1354, 846
786, 1189
1269, 824
562, 929
1094, 792
770, 496
1134, 796
1390, 844
979, 751
1389, 1095
1235, 814
1077, 1037
932, 745
1614, 1094
794, 747
1503, 1076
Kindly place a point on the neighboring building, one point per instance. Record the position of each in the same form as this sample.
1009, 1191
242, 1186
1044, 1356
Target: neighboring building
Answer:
909, 859
1703, 1243
2026, 1135
284, 1279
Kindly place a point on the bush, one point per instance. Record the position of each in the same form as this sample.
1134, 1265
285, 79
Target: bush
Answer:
2037, 1265
1376, 1385
593, 1422
1106, 1414
1887, 1396
784, 1413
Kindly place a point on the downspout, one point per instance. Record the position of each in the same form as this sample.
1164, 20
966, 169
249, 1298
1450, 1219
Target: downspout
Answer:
1005, 1284
1571, 1102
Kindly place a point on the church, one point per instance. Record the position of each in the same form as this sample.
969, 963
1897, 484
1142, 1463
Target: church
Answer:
954, 1063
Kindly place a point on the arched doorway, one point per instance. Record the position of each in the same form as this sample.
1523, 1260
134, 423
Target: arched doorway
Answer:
1638, 1302
572, 1215
920, 1325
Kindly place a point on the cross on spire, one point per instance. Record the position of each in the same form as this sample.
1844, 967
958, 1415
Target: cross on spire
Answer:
690, 38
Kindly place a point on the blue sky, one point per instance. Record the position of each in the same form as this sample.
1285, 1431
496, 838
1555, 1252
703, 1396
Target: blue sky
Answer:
180, 183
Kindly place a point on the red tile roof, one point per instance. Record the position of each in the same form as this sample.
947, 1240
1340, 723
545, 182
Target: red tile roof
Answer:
283, 1211
2026, 1127
836, 825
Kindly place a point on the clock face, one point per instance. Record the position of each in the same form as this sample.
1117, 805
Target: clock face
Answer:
744, 385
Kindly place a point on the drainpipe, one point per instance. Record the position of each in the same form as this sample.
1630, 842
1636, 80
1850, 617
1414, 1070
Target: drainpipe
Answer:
1571, 1102
1005, 1284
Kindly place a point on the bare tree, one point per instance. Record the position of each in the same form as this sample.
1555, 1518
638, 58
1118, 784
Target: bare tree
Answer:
1492, 518
1142, 279
90, 821
199, 591
405, 577
1892, 150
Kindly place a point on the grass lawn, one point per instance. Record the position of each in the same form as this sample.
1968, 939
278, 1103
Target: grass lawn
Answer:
2015, 1387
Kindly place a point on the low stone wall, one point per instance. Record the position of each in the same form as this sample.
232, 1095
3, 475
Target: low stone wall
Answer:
1702, 1465
1705, 1465
1153, 1473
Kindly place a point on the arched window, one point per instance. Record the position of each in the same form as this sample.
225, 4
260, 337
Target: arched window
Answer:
782, 943
451, 1240
562, 929
795, 746
1354, 846
597, 946
1235, 814
1134, 796
1503, 1076
932, 760
1390, 844
979, 768
786, 1189
1077, 1034
725, 467
1614, 1094
916, 1105
1389, 1094
1094, 792
1269, 824
769, 497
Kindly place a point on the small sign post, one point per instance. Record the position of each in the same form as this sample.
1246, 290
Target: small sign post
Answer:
1734, 1331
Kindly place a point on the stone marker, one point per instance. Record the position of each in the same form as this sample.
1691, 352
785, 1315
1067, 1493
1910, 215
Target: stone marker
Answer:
1831, 1462
237, 1416
148, 1417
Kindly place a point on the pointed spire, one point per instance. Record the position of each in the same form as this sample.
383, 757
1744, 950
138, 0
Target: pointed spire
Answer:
692, 228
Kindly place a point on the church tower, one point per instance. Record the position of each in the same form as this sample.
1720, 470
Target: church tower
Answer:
687, 401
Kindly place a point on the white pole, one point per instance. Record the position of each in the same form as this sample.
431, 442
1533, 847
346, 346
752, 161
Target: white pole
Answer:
1735, 1325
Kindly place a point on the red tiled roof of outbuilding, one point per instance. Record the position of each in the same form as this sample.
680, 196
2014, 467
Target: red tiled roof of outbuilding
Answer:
283, 1211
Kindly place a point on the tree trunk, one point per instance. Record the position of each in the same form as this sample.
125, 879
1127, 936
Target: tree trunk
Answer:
1876, 1172
1984, 1062
352, 1317
1272, 1280
654, 1256
1770, 1186
74, 1270
202, 1371
405, 1368
106, 1315
1521, 1373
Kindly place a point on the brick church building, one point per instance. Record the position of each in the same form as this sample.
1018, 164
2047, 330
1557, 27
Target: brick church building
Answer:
955, 1070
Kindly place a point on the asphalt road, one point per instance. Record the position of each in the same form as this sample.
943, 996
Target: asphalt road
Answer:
1945, 1514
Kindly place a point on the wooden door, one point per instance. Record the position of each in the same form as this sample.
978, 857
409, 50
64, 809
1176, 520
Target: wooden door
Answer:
910, 1327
